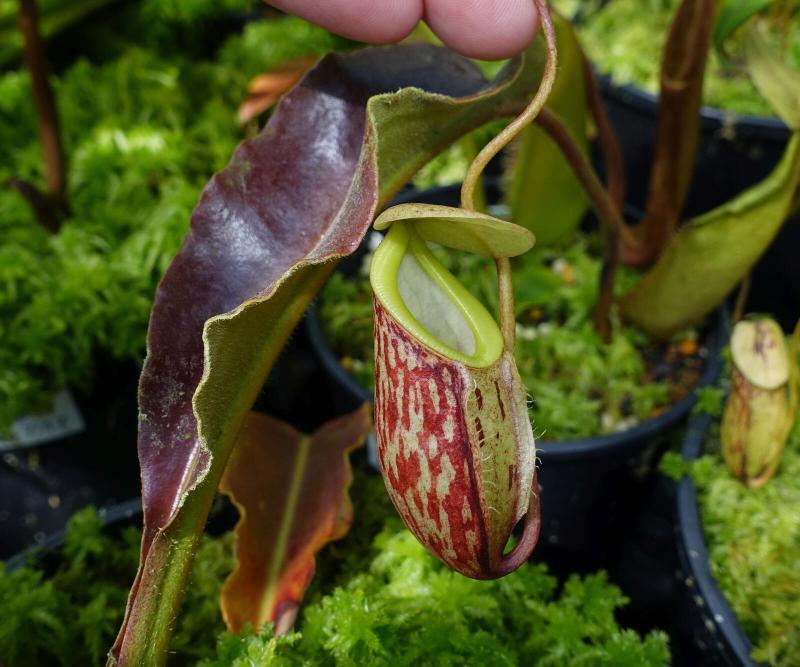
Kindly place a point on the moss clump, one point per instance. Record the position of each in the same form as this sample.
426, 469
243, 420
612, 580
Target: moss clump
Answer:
66, 608
69, 614
753, 539
579, 385
378, 599
619, 36
408, 609
143, 130
394, 604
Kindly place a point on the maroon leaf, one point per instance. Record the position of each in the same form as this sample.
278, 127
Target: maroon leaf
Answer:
286, 197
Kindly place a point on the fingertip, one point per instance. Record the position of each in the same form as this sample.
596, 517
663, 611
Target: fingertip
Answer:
485, 29
401, 17
373, 21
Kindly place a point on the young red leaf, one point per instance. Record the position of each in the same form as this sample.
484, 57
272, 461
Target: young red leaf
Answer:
266, 89
263, 239
291, 492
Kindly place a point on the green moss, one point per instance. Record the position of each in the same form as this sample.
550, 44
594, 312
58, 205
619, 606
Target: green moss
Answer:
579, 385
143, 131
166, 25
378, 598
68, 613
710, 400
753, 540
624, 39
396, 605
266, 44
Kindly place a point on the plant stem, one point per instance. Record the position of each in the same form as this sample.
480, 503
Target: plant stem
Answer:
40, 203
677, 127
508, 319
167, 553
524, 119
615, 170
508, 314
599, 198
157, 594
607, 136
44, 99
470, 147
606, 210
601, 316
741, 299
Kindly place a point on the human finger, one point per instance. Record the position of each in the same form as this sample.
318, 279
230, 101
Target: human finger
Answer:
374, 21
486, 29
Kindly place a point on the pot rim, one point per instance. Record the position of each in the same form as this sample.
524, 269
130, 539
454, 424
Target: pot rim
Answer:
695, 554
109, 515
767, 128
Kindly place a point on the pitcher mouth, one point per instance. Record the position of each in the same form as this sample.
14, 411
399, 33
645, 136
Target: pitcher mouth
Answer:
430, 302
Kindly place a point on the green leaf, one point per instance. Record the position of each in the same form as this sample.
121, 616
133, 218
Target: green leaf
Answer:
543, 193
263, 239
733, 14
777, 81
712, 253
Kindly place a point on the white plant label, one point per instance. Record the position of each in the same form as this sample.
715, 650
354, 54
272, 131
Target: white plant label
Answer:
64, 420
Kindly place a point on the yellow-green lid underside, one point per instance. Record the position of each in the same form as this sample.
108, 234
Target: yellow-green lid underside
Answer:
414, 287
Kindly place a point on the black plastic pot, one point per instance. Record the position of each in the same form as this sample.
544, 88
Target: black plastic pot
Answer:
592, 487
707, 622
127, 513
734, 152
42, 485
222, 518
99, 466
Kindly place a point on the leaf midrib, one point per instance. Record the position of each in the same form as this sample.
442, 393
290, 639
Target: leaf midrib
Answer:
282, 542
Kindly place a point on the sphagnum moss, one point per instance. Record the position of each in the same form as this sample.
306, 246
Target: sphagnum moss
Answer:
378, 599
619, 37
144, 125
753, 539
